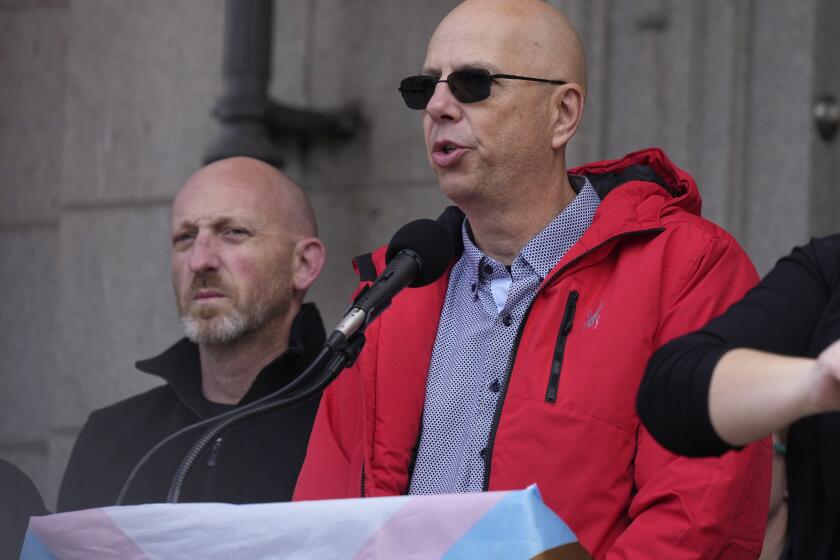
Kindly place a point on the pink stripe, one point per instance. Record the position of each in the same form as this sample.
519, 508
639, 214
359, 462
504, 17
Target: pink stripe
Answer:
428, 526
85, 534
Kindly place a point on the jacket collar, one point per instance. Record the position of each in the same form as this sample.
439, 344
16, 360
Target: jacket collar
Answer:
180, 365
649, 170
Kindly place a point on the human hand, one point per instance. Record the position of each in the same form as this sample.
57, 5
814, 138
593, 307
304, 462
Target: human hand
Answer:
824, 380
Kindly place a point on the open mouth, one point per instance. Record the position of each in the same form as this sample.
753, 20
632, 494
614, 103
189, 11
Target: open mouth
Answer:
446, 147
446, 153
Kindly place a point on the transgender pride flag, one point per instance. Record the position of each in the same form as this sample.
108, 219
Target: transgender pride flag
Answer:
507, 525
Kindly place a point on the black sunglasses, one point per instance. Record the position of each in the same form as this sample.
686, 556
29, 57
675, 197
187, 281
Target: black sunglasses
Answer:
467, 85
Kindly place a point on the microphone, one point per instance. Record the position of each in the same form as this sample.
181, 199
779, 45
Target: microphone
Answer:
417, 255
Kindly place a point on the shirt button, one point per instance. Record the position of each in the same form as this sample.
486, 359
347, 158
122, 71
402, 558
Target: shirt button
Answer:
506, 320
488, 269
495, 386
474, 287
483, 453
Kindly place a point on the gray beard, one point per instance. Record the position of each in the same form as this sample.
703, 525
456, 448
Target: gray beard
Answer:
222, 330
233, 326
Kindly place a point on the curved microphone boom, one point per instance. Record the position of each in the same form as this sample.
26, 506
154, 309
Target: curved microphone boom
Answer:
417, 255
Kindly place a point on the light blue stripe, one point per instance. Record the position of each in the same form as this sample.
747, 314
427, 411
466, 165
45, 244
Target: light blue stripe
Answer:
520, 526
34, 549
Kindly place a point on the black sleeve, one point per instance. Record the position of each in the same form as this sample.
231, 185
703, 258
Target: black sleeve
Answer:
20, 500
75, 491
778, 315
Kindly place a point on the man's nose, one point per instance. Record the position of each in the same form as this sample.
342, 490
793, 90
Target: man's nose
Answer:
203, 254
443, 105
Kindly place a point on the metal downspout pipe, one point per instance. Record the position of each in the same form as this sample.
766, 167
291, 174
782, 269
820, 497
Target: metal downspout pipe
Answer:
249, 119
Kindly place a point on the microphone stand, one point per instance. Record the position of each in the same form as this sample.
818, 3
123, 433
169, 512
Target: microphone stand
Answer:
343, 353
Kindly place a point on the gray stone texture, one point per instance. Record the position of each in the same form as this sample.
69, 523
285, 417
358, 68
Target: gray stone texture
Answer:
353, 223
29, 279
105, 110
28, 276
716, 147
291, 55
590, 18
825, 156
33, 40
115, 305
361, 50
141, 79
776, 175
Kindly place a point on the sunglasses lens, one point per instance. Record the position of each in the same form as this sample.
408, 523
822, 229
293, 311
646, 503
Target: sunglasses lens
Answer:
417, 91
470, 85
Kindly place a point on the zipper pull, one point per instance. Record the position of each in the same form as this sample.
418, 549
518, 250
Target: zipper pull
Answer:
214, 453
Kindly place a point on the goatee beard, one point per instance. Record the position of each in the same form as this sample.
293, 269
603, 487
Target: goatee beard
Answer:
225, 329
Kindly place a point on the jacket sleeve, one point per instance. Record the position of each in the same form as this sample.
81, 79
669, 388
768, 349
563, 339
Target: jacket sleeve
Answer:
75, 492
698, 508
332, 466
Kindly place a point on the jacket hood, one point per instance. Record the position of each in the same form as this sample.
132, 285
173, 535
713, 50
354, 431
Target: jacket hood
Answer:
651, 165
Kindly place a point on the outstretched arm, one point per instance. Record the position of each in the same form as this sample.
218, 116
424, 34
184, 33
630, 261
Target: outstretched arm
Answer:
754, 393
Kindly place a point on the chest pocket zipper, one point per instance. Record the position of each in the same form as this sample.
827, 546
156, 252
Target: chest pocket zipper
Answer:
560, 346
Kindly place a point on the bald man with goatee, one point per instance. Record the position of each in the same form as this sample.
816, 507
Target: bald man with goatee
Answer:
521, 364
244, 251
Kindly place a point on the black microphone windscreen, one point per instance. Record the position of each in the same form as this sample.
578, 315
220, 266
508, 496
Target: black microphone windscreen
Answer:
430, 241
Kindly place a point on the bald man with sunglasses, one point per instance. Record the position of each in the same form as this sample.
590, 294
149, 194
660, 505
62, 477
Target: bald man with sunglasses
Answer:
521, 364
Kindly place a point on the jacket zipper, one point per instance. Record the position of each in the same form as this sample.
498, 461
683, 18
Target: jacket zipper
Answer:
560, 347
214, 453
210, 485
362, 489
491, 440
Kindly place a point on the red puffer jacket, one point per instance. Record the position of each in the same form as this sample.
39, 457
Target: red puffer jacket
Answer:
647, 270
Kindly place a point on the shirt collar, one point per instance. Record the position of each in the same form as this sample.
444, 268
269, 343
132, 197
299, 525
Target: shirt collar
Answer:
473, 256
563, 231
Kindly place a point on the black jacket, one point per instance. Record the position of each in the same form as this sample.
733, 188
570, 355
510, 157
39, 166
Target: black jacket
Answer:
257, 461
795, 310
19, 499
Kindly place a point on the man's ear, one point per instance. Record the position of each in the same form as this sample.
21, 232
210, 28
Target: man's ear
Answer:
307, 261
567, 111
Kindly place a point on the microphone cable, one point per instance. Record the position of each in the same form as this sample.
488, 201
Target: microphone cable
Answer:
338, 361
322, 356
